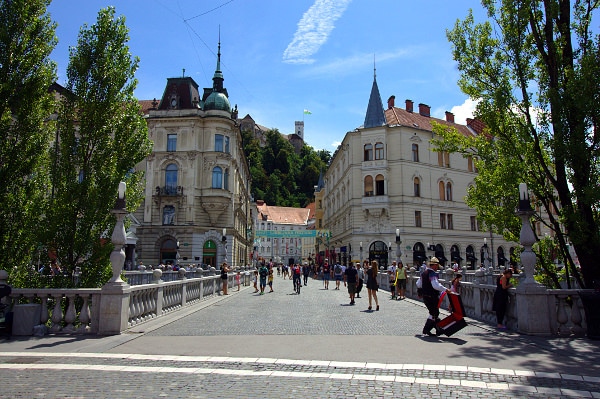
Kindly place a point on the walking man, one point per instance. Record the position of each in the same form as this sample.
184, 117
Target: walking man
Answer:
326, 273
351, 280
338, 274
431, 289
263, 272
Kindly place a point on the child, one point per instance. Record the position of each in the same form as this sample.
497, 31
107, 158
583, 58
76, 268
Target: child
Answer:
270, 279
255, 281
237, 280
455, 288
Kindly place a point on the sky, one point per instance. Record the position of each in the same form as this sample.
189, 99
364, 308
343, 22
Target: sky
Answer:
281, 57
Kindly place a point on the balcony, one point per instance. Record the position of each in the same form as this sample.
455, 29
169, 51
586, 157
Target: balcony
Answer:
375, 203
168, 191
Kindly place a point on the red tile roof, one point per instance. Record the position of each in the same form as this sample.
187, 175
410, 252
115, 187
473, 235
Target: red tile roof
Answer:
399, 116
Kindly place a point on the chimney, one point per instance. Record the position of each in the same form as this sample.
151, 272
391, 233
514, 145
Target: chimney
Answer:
409, 105
449, 117
424, 109
391, 102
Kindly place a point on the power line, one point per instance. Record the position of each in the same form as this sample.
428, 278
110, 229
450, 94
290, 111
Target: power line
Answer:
209, 11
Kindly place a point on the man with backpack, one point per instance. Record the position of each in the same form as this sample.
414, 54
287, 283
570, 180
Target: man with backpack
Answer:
296, 273
430, 289
338, 273
263, 272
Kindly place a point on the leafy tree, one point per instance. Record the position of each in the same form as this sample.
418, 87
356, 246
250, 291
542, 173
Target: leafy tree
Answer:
534, 67
102, 137
27, 37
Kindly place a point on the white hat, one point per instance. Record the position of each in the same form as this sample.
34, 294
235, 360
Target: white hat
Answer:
434, 260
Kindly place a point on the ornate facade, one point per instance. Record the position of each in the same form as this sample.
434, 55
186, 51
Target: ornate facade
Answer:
196, 208
384, 178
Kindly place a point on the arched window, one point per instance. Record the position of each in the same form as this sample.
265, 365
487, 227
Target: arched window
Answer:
415, 153
379, 151
448, 191
368, 186
217, 177
379, 185
417, 186
442, 190
171, 179
368, 152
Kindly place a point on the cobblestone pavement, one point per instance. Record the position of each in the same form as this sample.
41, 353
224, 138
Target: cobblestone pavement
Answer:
312, 345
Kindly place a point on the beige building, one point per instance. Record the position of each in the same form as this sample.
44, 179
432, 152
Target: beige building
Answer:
384, 180
283, 234
197, 205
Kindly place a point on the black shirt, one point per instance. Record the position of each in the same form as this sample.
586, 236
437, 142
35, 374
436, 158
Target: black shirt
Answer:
351, 275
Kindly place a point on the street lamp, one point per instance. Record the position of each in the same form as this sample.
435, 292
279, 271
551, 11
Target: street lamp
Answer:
398, 249
224, 240
360, 250
485, 253
527, 238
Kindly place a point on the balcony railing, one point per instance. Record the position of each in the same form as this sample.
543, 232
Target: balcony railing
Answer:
168, 191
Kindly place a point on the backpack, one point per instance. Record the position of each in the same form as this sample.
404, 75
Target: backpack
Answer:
297, 270
338, 269
263, 272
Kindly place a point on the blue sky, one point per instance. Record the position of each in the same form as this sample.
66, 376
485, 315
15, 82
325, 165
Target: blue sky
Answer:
281, 57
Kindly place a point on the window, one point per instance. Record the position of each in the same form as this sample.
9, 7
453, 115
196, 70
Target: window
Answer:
218, 142
470, 164
171, 142
171, 179
227, 144
169, 215
415, 153
450, 222
448, 191
474, 224
417, 186
368, 152
379, 151
217, 177
417, 218
368, 186
442, 190
226, 180
379, 185
442, 220
444, 159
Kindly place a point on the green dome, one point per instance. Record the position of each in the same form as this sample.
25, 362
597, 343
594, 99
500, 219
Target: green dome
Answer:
217, 101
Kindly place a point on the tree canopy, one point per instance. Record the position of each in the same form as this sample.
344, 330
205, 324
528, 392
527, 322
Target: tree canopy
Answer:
534, 69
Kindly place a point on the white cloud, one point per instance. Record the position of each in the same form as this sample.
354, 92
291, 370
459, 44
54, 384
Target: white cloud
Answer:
313, 30
336, 144
464, 111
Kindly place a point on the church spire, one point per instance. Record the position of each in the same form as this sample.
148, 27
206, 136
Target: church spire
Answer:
375, 115
218, 76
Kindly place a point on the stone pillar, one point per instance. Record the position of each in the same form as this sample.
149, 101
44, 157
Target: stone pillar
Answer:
114, 301
532, 303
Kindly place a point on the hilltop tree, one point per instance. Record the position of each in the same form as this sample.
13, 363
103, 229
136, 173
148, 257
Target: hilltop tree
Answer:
102, 137
27, 37
535, 70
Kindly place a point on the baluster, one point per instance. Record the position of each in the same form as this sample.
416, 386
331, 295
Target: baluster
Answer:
137, 307
44, 312
576, 316
561, 314
84, 315
146, 305
131, 318
57, 315
70, 314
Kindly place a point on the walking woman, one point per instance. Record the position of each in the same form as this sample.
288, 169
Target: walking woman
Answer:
372, 285
501, 297
224, 279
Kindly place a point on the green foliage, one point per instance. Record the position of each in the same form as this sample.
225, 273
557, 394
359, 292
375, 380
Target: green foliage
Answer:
534, 68
27, 37
280, 176
102, 137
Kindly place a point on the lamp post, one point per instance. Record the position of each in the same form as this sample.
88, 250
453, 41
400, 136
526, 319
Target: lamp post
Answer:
360, 250
485, 254
526, 238
398, 249
118, 238
224, 240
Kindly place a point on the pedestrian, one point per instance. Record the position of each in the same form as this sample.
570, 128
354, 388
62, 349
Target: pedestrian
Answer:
326, 273
224, 277
400, 281
455, 283
270, 278
338, 273
391, 271
238, 277
361, 278
372, 285
263, 272
351, 280
430, 289
255, 281
500, 302
306, 272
